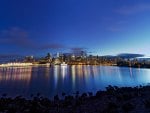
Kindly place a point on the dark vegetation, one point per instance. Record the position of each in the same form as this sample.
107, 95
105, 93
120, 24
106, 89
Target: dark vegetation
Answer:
113, 100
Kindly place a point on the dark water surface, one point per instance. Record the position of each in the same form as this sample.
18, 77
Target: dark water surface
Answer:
50, 81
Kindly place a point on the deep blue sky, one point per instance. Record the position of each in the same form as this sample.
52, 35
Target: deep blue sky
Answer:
99, 26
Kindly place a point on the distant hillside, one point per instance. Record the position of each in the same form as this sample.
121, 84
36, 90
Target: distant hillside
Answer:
10, 58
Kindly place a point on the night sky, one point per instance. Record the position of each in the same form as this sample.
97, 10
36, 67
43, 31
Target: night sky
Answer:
103, 27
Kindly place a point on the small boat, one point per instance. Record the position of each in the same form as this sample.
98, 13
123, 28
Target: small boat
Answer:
63, 64
48, 64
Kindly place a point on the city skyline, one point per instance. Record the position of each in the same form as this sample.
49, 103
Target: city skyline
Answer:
106, 27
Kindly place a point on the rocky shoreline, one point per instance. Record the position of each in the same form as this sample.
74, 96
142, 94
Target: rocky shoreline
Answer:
113, 100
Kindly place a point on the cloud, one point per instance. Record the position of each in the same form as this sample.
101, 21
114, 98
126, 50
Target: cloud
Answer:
129, 55
127, 10
16, 36
52, 46
77, 50
19, 37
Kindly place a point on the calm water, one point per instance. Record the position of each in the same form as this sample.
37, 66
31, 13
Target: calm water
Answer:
50, 81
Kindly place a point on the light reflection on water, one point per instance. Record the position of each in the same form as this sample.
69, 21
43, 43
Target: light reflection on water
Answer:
69, 79
15, 74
